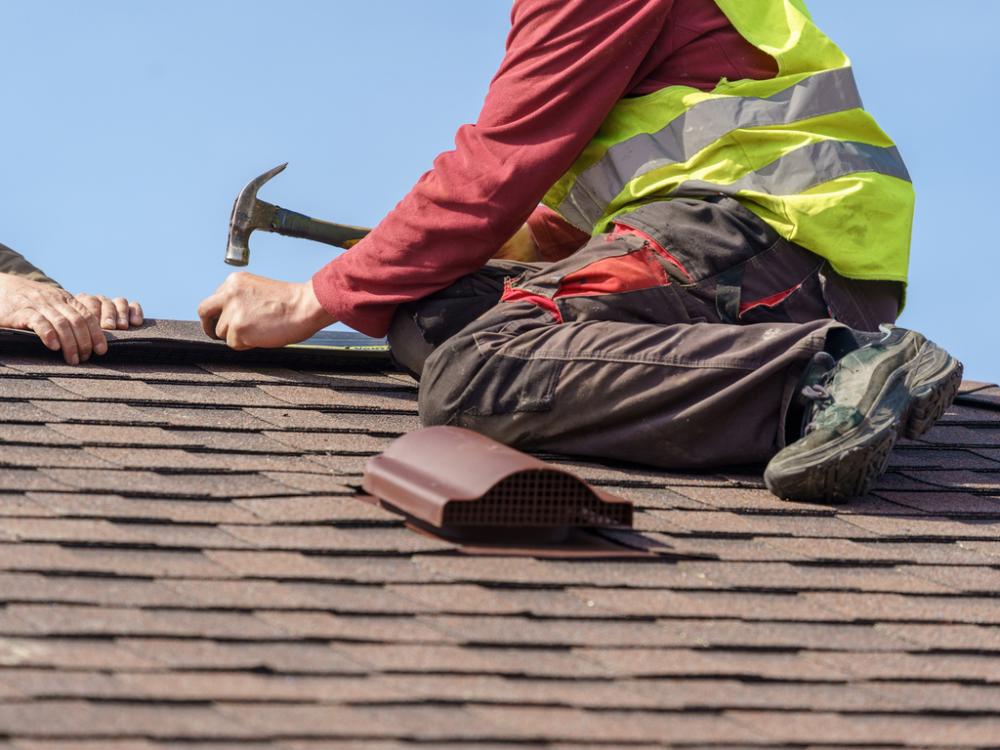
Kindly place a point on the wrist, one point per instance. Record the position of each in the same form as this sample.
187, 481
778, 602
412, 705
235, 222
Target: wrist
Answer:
311, 310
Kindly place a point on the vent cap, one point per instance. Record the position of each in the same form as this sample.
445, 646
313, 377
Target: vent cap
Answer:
456, 479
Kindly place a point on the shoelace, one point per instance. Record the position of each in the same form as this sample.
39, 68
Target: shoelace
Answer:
820, 397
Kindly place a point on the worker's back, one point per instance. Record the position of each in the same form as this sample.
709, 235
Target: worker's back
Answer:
698, 47
795, 147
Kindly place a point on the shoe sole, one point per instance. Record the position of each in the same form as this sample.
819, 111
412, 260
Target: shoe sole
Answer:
926, 387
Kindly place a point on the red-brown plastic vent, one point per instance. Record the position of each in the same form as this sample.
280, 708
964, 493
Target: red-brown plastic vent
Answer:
538, 498
452, 478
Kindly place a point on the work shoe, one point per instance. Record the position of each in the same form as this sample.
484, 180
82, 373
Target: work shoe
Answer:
898, 385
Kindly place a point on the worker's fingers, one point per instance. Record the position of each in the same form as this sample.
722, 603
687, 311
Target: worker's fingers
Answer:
235, 342
209, 311
120, 305
109, 316
98, 341
222, 313
57, 316
98, 308
135, 315
34, 320
89, 301
80, 329
220, 329
86, 329
234, 338
229, 328
52, 327
113, 314
213, 329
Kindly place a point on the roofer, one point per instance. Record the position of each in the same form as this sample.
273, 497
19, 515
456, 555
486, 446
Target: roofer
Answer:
726, 227
30, 300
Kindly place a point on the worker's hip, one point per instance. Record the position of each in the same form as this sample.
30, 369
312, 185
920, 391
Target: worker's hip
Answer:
699, 261
680, 261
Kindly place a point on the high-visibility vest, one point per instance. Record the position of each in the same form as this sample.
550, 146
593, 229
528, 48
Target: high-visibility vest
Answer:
798, 150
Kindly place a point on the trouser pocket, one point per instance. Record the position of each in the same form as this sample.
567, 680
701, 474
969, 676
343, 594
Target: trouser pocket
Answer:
491, 368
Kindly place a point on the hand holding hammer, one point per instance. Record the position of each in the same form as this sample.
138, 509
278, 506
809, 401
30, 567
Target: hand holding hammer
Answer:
249, 311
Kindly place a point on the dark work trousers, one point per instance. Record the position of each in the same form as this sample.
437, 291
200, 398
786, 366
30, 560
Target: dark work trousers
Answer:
676, 341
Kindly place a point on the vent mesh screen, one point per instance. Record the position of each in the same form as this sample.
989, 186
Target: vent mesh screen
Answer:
537, 498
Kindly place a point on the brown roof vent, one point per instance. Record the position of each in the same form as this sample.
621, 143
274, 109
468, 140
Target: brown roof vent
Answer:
466, 484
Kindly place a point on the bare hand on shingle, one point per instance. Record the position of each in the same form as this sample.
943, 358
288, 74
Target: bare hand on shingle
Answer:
250, 311
117, 313
61, 321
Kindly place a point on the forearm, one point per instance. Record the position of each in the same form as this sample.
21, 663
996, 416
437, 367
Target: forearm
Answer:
15, 264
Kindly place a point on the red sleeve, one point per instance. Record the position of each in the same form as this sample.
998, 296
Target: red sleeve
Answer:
554, 237
567, 63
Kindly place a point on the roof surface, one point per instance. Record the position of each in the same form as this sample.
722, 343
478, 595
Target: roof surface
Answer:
182, 562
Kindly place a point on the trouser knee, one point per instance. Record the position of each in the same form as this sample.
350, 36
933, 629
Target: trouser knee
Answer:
441, 392
491, 378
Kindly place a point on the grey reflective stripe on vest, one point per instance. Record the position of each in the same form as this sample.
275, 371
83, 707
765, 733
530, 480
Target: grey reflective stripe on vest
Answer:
805, 168
698, 128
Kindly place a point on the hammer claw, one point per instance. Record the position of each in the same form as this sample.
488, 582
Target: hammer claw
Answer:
250, 213
256, 183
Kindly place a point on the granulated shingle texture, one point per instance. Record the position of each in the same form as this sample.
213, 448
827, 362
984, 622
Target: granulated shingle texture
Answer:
183, 561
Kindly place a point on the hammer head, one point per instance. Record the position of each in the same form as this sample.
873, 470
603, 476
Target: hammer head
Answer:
248, 214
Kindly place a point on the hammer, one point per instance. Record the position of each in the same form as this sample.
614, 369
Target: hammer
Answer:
250, 213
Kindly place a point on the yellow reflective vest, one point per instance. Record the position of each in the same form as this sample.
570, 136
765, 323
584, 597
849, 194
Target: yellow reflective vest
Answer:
798, 150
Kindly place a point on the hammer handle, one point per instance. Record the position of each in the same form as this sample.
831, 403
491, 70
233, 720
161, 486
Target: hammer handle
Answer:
292, 224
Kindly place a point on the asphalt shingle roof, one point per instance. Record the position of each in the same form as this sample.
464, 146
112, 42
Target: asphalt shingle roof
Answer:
183, 560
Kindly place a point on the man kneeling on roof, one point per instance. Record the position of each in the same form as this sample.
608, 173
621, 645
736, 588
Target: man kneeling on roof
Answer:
742, 230
65, 322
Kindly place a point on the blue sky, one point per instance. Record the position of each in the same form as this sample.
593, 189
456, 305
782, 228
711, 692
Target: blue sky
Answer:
130, 127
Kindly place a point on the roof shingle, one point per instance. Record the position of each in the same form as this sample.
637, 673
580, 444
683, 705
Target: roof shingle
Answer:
183, 559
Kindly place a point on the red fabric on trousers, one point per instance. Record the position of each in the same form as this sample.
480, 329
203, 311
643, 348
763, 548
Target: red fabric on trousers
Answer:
773, 301
568, 62
616, 275
621, 229
510, 294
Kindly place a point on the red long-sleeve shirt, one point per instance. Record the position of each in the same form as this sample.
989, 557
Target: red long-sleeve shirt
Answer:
567, 63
